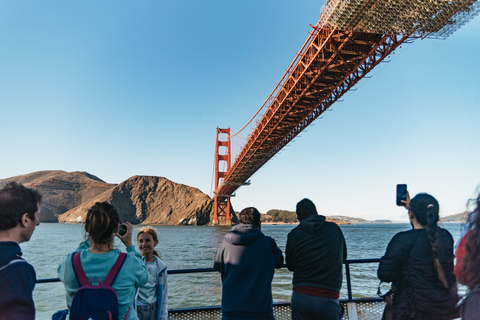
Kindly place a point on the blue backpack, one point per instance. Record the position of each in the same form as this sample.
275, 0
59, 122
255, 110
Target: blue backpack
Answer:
98, 302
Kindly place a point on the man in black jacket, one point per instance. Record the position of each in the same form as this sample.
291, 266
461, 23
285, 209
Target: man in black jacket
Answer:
247, 259
18, 218
315, 252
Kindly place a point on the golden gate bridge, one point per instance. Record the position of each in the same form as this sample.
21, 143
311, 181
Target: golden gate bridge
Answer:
350, 39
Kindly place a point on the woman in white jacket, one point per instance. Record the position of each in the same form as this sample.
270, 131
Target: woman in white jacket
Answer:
151, 299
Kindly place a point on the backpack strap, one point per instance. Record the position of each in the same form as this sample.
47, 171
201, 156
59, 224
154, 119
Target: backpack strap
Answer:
78, 270
114, 271
82, 277
14, 260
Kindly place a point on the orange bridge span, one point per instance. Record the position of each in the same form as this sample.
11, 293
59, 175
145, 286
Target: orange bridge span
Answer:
349, 40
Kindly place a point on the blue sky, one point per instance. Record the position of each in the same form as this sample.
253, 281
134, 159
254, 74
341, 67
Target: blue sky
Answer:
124, 88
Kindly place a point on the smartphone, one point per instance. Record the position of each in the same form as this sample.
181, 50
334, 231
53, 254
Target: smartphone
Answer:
122, 229
401, 194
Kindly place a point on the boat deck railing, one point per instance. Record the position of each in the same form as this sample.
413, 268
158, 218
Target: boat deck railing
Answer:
354, 308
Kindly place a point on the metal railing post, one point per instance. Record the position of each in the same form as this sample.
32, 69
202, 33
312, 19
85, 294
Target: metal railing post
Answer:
349, 283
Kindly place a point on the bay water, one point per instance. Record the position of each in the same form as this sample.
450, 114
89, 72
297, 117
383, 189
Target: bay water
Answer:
188, 247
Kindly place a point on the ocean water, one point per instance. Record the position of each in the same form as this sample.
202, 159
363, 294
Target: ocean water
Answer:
188, 247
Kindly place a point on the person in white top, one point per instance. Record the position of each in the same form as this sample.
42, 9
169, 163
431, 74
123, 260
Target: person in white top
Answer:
151, 300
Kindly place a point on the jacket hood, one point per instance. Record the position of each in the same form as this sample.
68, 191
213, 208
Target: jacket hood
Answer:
243, 234
9, 250
312, 224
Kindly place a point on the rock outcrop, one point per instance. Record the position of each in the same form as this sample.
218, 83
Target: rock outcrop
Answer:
62, 190
152, 200
67, 196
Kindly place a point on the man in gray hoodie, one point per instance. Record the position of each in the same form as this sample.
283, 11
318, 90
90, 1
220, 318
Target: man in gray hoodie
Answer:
247, 259
315, 252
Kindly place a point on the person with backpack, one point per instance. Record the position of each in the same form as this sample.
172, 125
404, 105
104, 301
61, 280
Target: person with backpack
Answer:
95, 268
151, 300
467, 265
19, 210
419, 262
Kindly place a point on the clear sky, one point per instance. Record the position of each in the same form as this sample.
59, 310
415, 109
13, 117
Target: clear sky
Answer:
124, 88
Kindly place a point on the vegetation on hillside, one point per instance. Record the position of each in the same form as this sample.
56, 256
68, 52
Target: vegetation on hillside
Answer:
276, 215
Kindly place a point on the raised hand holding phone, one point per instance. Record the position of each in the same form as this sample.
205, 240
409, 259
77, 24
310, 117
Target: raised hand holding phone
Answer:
402, 194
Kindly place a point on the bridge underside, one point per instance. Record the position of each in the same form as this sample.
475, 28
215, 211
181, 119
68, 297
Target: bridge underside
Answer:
331, 64
350, 39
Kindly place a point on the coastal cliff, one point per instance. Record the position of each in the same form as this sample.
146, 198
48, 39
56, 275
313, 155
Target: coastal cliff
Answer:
140, 199
151, 200
62, 190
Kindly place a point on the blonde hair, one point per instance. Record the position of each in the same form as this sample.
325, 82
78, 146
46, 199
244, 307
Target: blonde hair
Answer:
151, 232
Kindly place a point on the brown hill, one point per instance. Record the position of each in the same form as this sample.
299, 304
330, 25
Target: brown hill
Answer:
62, 190
152, 200
456, 218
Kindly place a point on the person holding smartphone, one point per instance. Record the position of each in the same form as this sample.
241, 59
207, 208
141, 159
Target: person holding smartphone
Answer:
419, 263
97, 257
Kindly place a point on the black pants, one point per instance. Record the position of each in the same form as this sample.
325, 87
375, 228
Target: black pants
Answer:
305, 307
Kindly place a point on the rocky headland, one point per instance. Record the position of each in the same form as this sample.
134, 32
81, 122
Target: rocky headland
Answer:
139, 199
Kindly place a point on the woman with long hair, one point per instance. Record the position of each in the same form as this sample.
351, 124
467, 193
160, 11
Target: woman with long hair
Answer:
97, 257
419, 262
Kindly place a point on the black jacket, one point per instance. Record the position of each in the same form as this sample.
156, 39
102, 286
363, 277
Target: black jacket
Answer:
408, 263
247, 259
17, 281
315, 252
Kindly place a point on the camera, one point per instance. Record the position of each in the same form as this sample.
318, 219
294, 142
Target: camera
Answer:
401, 194
122, 229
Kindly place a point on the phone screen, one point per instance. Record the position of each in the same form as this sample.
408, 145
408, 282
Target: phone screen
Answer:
401, 194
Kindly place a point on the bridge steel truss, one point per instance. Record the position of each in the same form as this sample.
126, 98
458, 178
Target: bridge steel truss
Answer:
350, 39
331, 62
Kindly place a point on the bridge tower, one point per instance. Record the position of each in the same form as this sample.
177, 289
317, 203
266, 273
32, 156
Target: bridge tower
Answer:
222, 165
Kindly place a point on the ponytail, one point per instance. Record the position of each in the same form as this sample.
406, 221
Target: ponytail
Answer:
100, 223
426, 208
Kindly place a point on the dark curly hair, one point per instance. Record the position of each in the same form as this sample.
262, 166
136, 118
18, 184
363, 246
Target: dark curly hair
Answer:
471, 260
249, 215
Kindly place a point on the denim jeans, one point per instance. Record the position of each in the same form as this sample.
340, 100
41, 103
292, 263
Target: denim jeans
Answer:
147, 312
